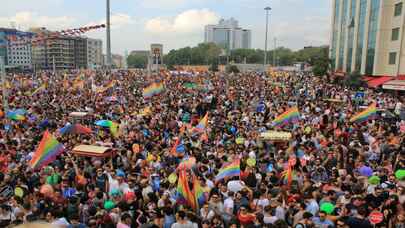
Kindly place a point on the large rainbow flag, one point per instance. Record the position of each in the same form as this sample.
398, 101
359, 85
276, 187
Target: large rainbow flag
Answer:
199, 194
49, 148
184, 194
229, 170
152, 90
288, 116
365, 115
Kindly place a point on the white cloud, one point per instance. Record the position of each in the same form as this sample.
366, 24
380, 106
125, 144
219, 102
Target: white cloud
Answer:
27, 19
118, 20
190, 21
162, 4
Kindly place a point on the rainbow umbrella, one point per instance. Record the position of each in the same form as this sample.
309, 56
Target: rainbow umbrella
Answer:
18, 114
75, 129
108, 123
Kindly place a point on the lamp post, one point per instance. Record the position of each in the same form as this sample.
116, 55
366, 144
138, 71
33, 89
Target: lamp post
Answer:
3, 83
267, 9
108, 35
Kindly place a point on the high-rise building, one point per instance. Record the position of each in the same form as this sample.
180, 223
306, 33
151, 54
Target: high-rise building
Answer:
94, 53
14, 48
228, 35
65, 52
368, 37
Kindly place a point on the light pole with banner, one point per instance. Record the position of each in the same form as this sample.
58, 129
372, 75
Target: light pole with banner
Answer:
3, 83
267, 9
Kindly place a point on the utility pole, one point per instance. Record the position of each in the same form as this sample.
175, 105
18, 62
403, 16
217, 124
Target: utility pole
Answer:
108, 25
3, 82
267, 9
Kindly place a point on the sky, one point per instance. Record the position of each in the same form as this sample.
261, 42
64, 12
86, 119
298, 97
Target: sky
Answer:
176, 23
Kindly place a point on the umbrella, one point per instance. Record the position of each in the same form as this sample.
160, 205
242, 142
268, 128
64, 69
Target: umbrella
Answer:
104, 123
108, 123
75, 129
366, 171
18, 114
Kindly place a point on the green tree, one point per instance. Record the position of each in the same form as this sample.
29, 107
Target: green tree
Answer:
354, 80
137, 61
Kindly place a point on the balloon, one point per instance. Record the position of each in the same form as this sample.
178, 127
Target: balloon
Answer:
172, 178
366, 171
115, 192
328, 208
251, 162
108, 205
400, 174
240, 140
19, 192
46, 190
374, 180
129, 196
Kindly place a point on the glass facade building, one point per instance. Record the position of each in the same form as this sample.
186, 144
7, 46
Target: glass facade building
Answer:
372, 35
350, 39
360, 34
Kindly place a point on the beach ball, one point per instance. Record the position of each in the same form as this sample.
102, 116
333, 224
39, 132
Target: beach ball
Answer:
328, 208
374, 180
251, 162
19, 192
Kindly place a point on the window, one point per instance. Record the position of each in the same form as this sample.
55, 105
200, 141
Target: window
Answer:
398, 9
392, 58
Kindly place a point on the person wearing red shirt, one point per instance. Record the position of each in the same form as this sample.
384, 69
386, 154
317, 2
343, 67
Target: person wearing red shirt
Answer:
245, 217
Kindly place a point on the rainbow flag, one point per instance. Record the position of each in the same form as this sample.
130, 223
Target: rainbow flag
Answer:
199, 194
178, 147
365, 115
287, 175
18, 114
49, 148
152, 90
201, 125
229, 170
290, 115
184, 194
187, 163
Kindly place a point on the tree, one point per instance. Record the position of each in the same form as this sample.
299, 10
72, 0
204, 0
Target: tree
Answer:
232, 69
354, 80
137, 61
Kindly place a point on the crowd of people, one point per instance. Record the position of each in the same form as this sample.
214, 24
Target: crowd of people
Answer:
331, 172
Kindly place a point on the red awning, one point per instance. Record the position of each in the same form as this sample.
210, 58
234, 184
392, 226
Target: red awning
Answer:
374, 83
368, 78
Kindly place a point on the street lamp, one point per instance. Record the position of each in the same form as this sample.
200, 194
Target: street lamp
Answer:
108, 35
267, 9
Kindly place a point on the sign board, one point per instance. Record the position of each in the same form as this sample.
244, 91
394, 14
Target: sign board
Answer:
359, 95
376, 217
394, 87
